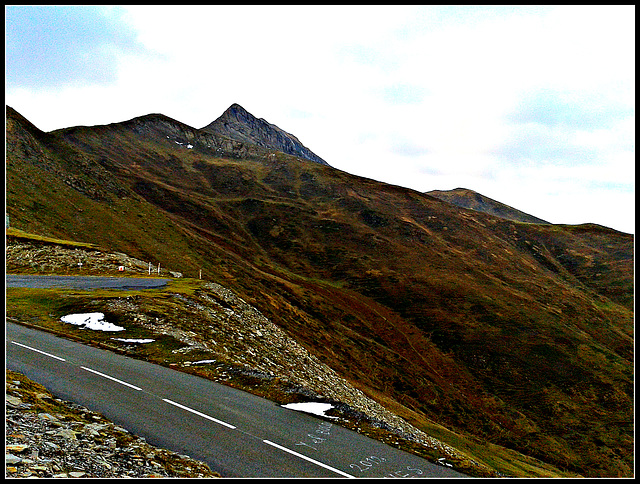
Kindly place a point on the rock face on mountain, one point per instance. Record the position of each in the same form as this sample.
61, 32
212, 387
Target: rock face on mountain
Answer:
237, 123
465, 198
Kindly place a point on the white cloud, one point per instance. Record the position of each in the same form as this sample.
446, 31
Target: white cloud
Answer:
425, 97
58, 46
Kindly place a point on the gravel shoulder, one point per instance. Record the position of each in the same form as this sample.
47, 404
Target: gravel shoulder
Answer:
48, 437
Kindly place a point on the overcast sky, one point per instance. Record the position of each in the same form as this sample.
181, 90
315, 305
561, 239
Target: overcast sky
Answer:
531, 106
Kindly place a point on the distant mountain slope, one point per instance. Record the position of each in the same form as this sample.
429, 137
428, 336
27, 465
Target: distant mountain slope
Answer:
465, 198
237, 123
515, 334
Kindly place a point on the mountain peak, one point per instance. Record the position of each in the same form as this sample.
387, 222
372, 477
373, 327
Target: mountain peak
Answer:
465, 198
234, 111
236, 107
239, 124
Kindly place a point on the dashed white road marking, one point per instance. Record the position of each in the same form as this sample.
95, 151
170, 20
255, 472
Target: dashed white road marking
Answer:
337, 471
39, 351
111, 378
199, 413
301, 456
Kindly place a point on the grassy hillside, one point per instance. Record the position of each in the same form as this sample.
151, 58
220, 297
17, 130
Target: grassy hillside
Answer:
514, 334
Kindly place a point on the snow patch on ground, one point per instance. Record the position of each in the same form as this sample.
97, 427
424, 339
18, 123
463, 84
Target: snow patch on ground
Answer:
189, 145
94, 321
315, 408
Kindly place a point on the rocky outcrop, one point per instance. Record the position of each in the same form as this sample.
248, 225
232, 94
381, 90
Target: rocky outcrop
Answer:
48, 437
238, 124
30, 257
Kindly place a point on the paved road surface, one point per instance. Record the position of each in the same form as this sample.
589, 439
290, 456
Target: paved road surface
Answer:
84, 282
234, 432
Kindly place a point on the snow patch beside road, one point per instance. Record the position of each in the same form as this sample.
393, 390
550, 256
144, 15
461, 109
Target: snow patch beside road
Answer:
315, 408
94, 321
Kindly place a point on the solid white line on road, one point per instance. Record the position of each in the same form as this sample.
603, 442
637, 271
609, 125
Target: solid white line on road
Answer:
111, 378
33, 349
199, 413
309, 459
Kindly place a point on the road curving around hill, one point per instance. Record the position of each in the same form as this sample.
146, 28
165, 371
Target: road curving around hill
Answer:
236, 433
84, 282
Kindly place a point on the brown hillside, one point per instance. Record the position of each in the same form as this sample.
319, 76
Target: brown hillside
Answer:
513, 333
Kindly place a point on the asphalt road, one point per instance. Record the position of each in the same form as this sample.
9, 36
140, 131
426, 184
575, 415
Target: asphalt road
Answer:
237, 434
84, 282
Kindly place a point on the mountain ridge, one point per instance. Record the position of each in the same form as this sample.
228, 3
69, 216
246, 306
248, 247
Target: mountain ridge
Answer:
466, 198
219, 137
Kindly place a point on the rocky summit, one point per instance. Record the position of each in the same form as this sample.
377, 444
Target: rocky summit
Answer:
239, 124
